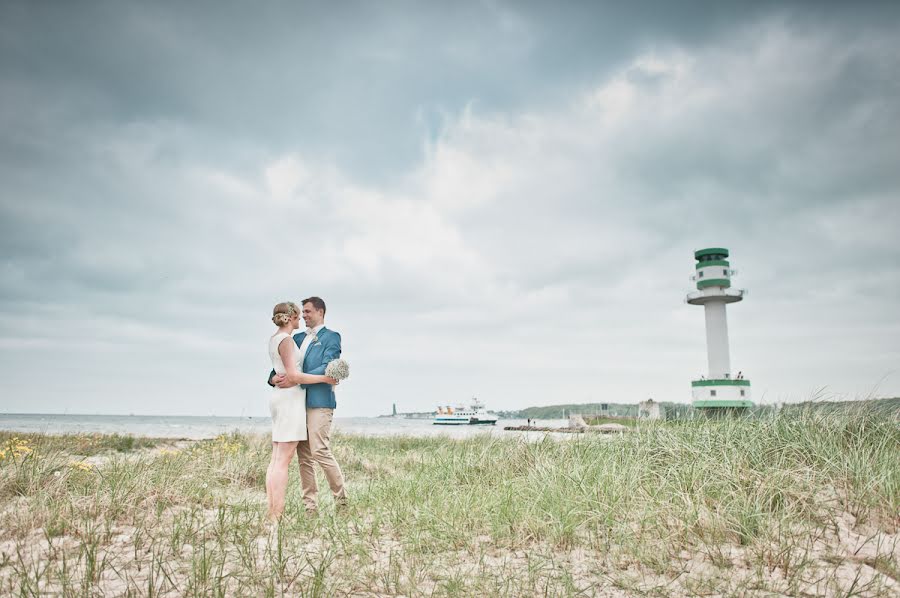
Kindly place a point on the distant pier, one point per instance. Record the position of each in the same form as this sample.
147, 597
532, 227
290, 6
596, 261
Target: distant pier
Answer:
576, 425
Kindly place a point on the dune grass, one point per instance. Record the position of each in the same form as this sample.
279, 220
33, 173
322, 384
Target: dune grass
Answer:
795, 504
79, 444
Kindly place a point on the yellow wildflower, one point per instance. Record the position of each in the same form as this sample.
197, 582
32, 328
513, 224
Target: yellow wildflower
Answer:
15, 448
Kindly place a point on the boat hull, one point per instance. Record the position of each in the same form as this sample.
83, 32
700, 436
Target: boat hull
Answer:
451, 422
473, 421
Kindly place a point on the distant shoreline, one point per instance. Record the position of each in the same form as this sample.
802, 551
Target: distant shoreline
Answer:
563, 410
199, 427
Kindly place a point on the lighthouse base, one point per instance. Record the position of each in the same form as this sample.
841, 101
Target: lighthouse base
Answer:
721, 395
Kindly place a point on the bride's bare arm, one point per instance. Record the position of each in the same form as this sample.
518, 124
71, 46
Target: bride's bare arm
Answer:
292, 376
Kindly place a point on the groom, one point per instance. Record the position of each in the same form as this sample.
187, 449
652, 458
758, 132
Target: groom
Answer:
318, 345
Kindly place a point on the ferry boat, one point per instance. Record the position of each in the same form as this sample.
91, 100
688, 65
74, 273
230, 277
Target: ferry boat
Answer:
460, 415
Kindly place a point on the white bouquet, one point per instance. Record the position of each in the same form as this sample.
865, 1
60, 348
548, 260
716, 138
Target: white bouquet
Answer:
338, 369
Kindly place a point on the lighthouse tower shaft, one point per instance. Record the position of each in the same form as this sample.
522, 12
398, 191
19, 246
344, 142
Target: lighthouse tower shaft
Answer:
719, 390
717, 352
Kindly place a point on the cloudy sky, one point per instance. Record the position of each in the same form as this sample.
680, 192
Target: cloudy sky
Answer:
498, 199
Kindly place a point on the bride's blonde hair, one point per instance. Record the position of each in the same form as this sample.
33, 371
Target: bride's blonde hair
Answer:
283, 313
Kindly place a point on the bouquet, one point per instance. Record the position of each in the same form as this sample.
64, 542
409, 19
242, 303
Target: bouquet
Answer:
338, 369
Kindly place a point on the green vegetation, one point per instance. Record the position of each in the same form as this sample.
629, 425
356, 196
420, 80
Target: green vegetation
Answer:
593, 420
889, 408
798, 503
673, 410
563, 411
883, 407
82, 444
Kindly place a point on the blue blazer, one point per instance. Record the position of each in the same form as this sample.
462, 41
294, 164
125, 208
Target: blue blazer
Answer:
320, 352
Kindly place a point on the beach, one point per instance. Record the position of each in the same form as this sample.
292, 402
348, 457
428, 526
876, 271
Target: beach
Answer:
797, 505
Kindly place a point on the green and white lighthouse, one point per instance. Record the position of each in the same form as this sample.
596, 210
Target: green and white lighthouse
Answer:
720, 390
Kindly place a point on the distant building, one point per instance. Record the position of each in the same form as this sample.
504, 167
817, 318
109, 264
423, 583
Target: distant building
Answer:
650, 409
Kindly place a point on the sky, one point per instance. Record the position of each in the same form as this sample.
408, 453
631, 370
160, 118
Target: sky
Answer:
495, 199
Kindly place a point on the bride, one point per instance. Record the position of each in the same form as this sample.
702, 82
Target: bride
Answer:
287, 405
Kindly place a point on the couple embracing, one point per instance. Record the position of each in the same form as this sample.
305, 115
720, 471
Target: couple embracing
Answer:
302, 403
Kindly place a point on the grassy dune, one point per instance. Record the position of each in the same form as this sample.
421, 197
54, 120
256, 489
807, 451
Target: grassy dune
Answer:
799, 504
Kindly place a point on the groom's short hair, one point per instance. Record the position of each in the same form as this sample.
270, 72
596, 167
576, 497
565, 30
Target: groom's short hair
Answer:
316, 302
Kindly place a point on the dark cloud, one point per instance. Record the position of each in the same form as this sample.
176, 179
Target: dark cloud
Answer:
475, 188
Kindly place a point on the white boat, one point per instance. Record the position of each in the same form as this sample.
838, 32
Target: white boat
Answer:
461, 415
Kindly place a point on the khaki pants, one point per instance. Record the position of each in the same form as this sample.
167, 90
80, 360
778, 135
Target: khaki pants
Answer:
318, 449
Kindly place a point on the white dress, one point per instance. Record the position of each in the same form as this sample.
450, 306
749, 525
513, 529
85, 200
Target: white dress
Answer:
287, 405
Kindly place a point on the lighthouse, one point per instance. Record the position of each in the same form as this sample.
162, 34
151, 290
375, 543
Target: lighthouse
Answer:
721, 389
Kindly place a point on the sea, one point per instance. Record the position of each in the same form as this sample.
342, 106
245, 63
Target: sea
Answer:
200, 427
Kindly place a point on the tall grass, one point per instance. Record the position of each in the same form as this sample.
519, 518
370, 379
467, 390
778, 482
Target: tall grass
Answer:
799, 503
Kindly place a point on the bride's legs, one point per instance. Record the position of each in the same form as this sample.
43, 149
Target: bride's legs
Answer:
277, 477
269, 470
